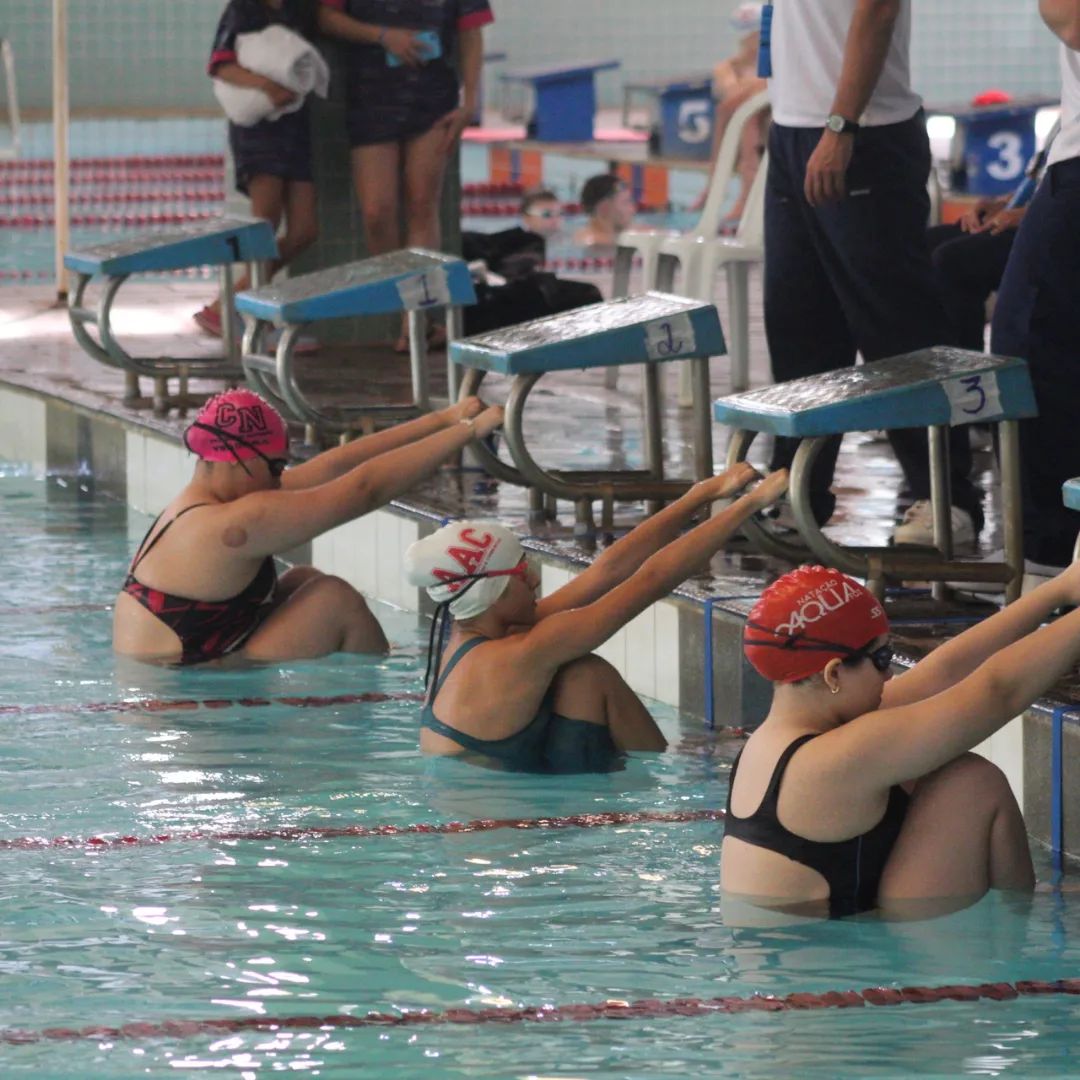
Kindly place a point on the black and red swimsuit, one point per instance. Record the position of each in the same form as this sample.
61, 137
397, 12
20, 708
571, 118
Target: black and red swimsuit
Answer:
207, 629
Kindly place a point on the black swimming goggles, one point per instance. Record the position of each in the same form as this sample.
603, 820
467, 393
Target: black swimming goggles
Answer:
275, 466
881, 657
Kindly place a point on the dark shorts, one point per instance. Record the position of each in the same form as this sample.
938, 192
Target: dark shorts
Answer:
273, 148
394, 104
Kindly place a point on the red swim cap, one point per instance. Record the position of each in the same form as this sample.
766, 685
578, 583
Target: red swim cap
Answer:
992, 97
807, 618
237, 426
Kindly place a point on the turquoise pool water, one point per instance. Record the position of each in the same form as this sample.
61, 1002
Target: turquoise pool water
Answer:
321, 925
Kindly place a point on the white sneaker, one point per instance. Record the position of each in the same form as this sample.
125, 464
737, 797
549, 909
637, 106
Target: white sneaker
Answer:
917, 527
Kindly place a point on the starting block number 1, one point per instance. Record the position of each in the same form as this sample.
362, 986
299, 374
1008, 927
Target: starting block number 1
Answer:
972, 398
429, 289
670, 337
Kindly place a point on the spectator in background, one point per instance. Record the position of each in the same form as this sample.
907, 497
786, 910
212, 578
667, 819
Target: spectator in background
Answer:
610, 206
406, 109
735, 81
1037, 317
273, 157
847, 269
970, 256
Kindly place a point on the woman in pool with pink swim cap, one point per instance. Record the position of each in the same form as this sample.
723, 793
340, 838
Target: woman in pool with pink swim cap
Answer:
203, 583
857, 791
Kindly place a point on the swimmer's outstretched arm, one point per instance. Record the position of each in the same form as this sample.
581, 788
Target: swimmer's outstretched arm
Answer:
628, 553
331, 464
893, 745
958, 658
567, 635
269, 522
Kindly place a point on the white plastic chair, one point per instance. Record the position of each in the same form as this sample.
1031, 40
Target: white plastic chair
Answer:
702, 258
689, 247
7, 60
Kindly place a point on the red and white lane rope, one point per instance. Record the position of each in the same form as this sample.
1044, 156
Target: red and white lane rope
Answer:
644, 1009
323, 832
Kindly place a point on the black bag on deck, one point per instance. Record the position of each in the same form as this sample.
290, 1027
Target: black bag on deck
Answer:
530, 297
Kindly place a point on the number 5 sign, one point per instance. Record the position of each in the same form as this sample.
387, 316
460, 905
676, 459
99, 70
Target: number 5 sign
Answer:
972, 398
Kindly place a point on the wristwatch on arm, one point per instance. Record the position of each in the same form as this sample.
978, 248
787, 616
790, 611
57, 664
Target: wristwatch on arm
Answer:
839, 125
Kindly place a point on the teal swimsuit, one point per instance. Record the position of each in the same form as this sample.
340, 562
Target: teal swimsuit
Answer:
549, 743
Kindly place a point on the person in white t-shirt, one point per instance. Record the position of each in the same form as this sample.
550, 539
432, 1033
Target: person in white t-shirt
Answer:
846, 265
1037, 317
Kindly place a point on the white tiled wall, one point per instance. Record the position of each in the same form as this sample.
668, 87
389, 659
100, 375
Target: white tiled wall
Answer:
156, 471
368, 553
22, 428
1005, 748
958, 47
645, 651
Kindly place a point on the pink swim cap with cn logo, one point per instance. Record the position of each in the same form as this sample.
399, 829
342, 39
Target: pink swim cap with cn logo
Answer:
237, 426
808, 617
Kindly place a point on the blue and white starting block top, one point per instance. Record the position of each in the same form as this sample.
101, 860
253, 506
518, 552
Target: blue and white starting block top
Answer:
1071, 490
409, 280
640, 329
919, 389
205, 243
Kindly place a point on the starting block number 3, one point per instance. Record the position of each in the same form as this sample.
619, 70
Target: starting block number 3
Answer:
670, 337
429, 289
972, 398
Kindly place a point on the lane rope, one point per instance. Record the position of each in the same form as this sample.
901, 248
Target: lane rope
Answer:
156, 705
323, 832
643, 1009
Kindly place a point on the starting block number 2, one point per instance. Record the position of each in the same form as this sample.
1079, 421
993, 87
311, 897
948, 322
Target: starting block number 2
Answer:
429, 289
670, 337
972, 398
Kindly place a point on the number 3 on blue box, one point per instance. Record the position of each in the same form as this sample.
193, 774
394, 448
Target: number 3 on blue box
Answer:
430, 48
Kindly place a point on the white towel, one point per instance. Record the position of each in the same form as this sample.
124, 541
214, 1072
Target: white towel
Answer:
280, 54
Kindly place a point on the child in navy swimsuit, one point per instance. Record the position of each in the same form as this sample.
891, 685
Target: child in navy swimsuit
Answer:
272, 158
520, 689
406, 106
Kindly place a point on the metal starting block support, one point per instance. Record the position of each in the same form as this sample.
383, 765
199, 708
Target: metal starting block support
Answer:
934, 388
413, 280
649, 329
219, 242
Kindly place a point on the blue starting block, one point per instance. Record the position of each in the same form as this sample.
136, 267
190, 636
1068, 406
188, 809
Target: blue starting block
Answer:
649, 329
414, 281
934, 388
564, 98
686, 114
218, 242
1071, 491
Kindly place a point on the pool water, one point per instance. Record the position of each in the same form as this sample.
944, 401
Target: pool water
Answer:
316, 925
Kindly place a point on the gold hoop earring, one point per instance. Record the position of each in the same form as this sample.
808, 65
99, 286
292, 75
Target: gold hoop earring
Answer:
834, 689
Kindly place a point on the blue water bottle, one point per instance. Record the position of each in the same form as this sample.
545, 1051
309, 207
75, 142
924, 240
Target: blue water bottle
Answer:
764, 59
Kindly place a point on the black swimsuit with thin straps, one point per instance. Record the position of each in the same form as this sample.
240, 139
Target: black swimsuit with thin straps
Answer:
207, 629
852, 867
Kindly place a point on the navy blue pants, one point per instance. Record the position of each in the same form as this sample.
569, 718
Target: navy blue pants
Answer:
855, 276
1037, 317
968, 269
